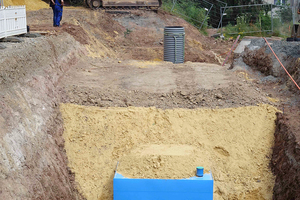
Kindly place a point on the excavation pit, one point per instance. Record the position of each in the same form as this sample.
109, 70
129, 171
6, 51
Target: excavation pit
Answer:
234, 143
85, 62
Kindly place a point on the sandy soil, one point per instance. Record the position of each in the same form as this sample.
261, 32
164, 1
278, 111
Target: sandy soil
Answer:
235, 144
30, 4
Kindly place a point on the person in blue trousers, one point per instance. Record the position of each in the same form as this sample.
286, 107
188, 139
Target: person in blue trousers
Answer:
57, 7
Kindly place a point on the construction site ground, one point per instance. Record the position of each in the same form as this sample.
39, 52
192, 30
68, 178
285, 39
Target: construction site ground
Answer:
96, 91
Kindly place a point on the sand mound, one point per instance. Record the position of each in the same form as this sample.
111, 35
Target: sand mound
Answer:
234, 143
30, 4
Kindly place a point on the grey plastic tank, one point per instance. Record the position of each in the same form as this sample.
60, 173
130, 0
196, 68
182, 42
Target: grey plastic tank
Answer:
174, 39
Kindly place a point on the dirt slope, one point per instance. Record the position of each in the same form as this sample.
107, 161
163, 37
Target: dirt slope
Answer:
138, 35
33, 164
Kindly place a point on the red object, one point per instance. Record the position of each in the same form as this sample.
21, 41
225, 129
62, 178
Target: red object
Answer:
231, 50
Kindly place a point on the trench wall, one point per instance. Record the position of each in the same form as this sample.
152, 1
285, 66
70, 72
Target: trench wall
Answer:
33, 163
286, 159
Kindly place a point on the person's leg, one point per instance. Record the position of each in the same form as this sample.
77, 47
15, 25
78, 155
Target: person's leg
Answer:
57, 11
59, 15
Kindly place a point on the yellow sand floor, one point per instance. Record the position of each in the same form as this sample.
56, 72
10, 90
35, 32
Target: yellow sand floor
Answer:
234, 143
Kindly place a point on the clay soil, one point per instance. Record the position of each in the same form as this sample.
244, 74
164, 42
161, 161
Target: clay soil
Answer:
96, 61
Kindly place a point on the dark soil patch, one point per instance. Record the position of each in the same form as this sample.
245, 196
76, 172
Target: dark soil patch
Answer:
286, 156
294, 70
259, 60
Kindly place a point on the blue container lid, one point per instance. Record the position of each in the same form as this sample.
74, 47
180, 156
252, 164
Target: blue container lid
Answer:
200, 167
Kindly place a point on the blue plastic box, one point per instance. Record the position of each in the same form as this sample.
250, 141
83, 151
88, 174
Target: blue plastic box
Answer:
194, 188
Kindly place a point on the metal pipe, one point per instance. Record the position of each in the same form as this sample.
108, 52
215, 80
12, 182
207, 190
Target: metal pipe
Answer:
221, 21
221, 15
208, 2
206, 15
249, 32
174, 2
294, 13
222, 2
272, 18
247, 5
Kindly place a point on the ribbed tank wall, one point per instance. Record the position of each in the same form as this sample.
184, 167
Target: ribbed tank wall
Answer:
174, 39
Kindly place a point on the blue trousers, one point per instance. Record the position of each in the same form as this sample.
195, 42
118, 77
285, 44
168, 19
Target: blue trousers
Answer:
57, 14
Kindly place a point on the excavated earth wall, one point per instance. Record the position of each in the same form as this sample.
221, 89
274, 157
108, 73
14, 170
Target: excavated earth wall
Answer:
33, 163
286, 158
258, 56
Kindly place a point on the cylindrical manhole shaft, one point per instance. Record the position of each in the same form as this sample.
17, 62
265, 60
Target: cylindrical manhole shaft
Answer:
174, 37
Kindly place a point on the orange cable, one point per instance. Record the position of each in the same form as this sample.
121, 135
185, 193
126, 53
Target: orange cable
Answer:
282, 65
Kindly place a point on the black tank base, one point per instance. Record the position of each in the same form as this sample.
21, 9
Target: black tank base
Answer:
293, 39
